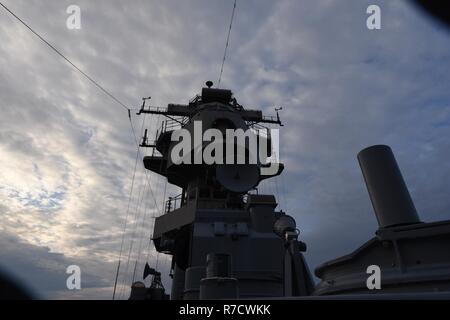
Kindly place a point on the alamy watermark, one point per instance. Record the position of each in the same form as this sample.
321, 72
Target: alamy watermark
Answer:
234, 146
374, 280
373, 22
73, 282
73, 21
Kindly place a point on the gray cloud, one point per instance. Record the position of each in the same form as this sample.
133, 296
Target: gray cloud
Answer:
42, 271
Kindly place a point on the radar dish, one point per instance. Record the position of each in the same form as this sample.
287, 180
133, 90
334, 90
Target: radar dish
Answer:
238, 178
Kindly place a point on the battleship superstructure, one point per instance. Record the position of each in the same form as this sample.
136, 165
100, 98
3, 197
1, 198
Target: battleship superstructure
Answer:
229, 241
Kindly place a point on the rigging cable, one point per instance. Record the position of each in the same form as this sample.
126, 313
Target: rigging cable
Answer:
152, 222
125, 224
92, 80
153, 217
140, 239
66, 59
135, 218
145, 171
135, 227
101, 88
142, 234
140, 198
226, 44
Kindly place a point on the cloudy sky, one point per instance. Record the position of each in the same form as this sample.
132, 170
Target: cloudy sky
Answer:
67, 152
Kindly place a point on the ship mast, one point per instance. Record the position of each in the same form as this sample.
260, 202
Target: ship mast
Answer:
220, 230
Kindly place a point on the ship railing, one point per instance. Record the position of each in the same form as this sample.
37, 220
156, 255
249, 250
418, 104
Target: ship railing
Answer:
260, 130
173, 203
173, 124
